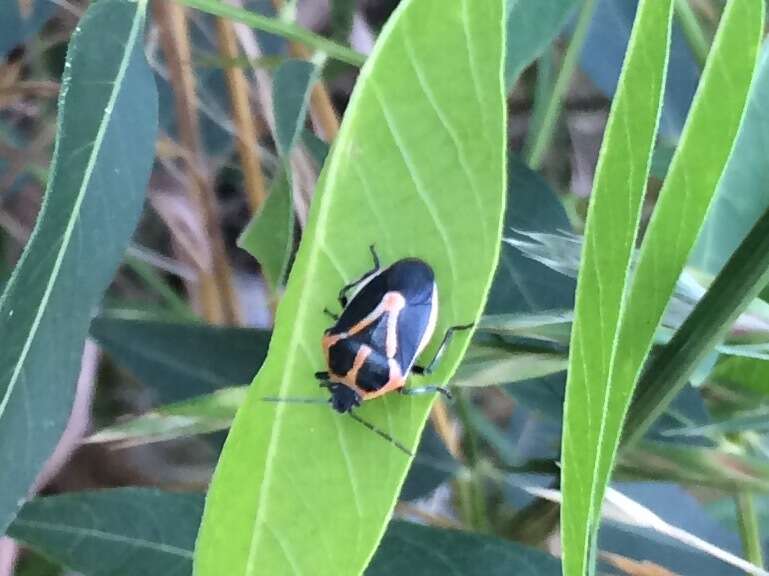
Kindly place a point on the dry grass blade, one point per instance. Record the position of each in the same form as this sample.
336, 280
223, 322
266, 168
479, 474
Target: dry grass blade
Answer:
218, 300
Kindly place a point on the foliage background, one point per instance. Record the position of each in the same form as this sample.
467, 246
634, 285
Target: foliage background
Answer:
179, 318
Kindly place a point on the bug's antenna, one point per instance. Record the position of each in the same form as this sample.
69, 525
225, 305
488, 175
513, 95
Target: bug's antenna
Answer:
381, 433
366, 423
295, 400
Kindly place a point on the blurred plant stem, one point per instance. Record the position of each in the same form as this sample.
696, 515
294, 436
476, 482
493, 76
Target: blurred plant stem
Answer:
280, 28
322, 112
693, 31
156, 283
470, 483
750, 532
540, 142
215, 291
543, 87
245, 127
439, 416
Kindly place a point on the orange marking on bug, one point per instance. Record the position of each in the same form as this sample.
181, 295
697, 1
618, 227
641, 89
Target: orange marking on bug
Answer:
328, 341
351, 378
391, 302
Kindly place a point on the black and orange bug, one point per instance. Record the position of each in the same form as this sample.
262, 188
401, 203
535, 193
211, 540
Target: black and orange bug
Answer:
384, 326
386, 322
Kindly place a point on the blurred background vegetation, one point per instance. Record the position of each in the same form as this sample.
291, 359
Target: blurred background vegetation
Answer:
185, 323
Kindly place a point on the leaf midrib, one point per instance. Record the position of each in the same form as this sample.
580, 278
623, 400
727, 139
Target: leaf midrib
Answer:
117, 85
105, 536
312, 261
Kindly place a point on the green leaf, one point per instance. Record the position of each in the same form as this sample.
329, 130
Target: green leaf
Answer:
16, 27
138, 531
755, 420
743, 277
520, 283
292, 83
181, 360
742, 192
531, 27
493, 366
554, 325
413, 549
342, 15
433, 464
106, 134
697, 166
317, 148
269, 236
611, 338
424, 135
279, 27
202, 415
749, 373
694, 465
126, 531
609, 238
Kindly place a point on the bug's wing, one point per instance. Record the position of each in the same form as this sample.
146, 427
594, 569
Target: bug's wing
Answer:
415, 326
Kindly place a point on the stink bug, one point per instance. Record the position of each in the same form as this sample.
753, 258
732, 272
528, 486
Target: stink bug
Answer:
383, 328
372, 347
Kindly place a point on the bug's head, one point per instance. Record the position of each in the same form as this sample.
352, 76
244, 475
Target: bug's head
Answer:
343, 399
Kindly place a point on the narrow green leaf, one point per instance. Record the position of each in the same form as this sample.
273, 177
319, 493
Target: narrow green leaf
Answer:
755, 420
202, 415
342, 15
181, 360
531, 27
126, 531
547, 325
707, 140
16, 27
292, 83
487, 366
611, 226
697, 166
413, 549
279, 27
749, 373
744, 276
693, 465
424, 135
742, 192
269, 236
693, 176
317, 148
104, 150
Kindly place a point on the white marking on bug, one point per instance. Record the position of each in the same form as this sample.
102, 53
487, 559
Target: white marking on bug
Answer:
431, 322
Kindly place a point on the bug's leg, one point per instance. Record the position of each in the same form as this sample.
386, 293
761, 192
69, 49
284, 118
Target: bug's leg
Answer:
330, 314
426, 390
321, 376
347, 287
444, 343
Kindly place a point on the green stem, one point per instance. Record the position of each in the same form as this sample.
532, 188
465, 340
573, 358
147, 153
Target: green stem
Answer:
279, 27
542, 88
738, 283
750, 532
472, 489
158, 284
543, 137
695, 36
